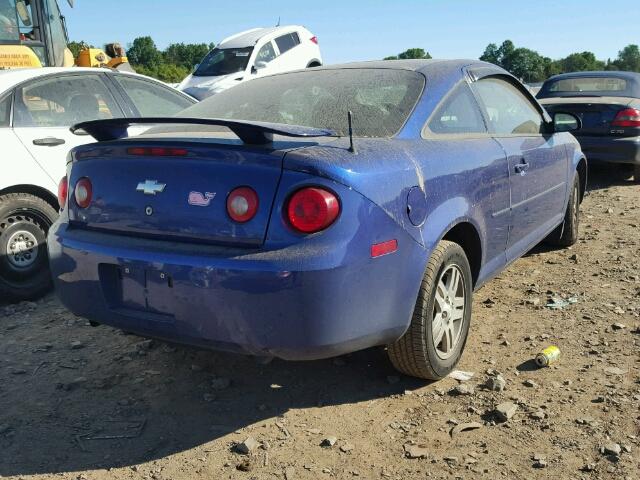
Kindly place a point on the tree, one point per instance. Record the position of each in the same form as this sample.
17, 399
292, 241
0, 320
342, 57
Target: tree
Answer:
411, 53
186, 55
628, 59
581, 62
491, 54
143, 52
164, 71
527, 65
77, 47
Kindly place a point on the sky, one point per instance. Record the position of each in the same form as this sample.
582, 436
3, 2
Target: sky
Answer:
351, 30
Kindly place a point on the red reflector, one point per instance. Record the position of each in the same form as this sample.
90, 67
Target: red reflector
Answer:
385, 248
242, 204
314, 40
312, 209
83, 192
158, 151
63, 191
629, 117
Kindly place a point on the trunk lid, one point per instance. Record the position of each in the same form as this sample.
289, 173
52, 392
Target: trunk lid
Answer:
180, 198
596, 113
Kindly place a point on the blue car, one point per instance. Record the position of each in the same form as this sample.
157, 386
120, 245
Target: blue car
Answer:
319, 212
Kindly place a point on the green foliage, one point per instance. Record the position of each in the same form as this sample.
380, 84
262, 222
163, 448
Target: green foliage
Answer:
143, 52
581, 62
186, 54
530, 66
411, 53
77, 47
628, 59
164, 71
171, 65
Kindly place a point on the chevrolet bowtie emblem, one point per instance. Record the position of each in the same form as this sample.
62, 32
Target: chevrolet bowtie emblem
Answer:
151, 187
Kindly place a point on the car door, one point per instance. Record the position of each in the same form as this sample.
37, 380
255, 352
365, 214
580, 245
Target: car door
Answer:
537, 160
266, 55
472, 161
45, 108
17, 167
288, 49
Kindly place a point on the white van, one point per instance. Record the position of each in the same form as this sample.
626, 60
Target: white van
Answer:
251, 54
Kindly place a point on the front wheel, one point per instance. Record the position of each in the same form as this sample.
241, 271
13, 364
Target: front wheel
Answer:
433, 344
24, 264
567, 232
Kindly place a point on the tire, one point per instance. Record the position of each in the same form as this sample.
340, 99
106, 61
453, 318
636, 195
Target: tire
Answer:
24, 263
567, 232
636, 173
415, 353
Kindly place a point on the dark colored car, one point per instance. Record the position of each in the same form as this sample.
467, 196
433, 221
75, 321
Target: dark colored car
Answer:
608, 103
273, 236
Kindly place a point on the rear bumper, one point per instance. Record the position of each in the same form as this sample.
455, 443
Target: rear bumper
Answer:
297, 303
611, 149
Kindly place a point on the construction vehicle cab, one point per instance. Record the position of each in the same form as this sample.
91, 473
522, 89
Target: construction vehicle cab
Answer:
33, 33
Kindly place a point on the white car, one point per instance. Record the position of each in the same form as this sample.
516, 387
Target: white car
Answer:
251, 54
37, 107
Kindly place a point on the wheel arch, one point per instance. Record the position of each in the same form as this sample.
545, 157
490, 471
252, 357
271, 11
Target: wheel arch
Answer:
314, 63
465, 234
34, 190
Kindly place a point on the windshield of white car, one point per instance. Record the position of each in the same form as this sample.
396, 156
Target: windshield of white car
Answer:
381, 100
224, 61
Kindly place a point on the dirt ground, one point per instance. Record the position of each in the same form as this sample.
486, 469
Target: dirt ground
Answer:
78, 402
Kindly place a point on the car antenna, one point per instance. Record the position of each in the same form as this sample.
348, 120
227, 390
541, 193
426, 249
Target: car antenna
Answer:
352, 149
278, 22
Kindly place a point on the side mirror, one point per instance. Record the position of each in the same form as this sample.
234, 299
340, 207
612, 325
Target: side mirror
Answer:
260, 64
566, 122
23, 13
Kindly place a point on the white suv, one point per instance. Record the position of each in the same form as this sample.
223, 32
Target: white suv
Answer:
251, 54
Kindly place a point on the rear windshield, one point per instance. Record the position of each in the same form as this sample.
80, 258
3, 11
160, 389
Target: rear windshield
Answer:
381, 100
584, 86
224, 61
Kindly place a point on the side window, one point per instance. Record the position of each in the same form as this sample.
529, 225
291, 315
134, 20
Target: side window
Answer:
5, 111
509, 111
64, 101
152, 100
287, 42
266, 53
458, 114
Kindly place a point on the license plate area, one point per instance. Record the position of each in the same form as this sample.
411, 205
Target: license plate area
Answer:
137, 289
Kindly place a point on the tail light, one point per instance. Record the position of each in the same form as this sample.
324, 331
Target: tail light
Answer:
83, 192
242, 204
312, 209
63, 192
314, 40
158, 151
629, 117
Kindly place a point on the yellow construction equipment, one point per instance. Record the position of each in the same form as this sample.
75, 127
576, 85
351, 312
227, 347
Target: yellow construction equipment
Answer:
33, 33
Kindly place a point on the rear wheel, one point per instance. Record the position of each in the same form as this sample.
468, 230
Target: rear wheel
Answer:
24, 265
567, 233
433, 345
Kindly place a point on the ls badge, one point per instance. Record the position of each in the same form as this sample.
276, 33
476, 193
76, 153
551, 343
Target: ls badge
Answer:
198, 199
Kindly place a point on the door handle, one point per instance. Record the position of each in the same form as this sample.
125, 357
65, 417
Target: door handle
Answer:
48, 142
522, 167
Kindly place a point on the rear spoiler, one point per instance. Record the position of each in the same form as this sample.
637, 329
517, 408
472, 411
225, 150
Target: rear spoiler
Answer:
250, 132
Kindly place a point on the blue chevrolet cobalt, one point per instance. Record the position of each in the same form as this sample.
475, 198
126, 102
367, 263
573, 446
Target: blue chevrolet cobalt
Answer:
318, 212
